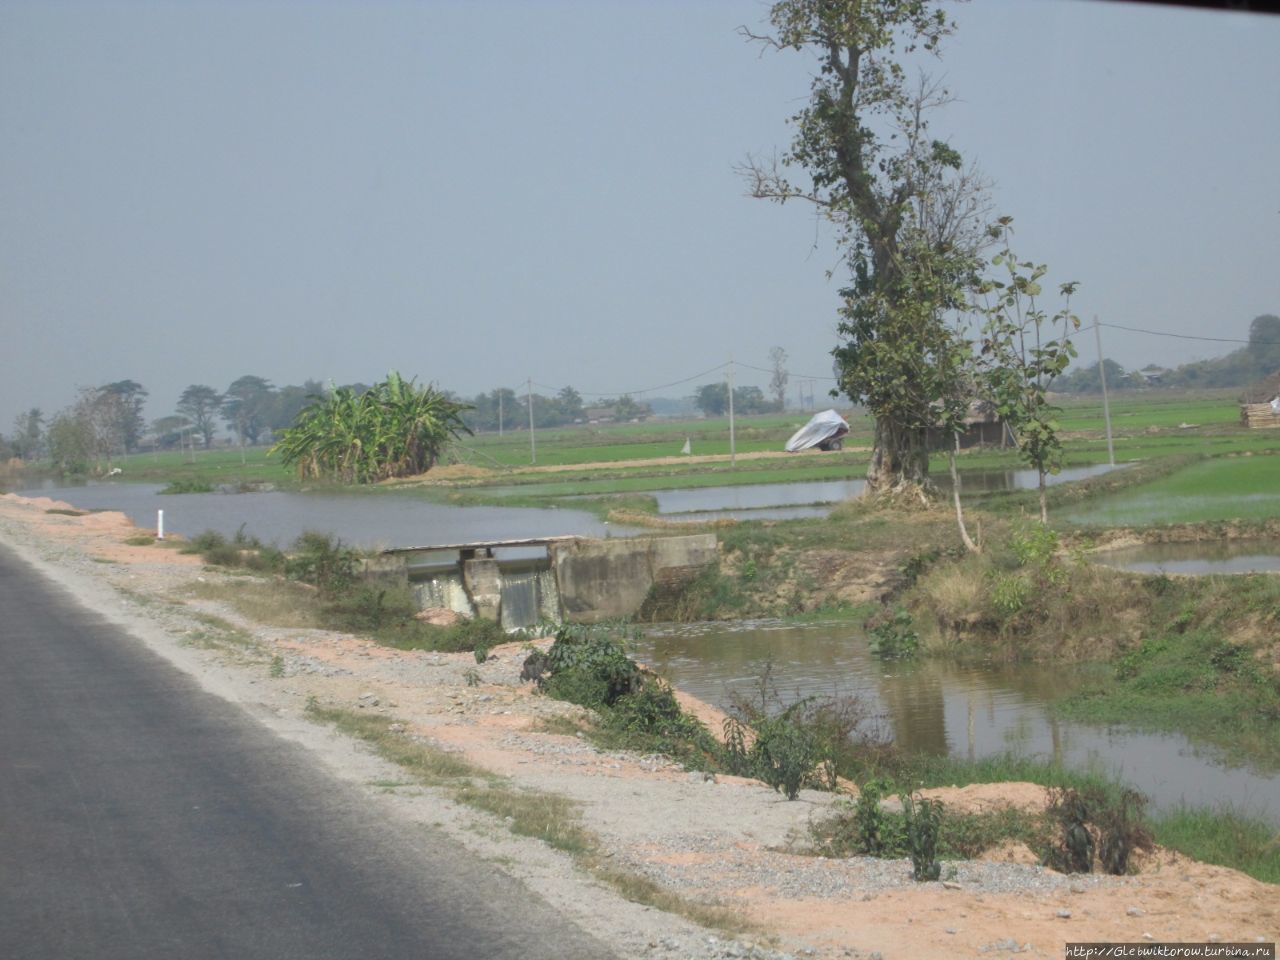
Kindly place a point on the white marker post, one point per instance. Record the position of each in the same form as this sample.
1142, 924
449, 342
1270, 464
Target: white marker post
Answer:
159, 524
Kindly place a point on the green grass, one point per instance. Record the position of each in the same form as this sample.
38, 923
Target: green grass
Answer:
1146, 425
1202, 668
1133, 412
1223, 488
1222, 836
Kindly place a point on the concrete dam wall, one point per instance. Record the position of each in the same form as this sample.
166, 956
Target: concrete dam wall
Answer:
578, 579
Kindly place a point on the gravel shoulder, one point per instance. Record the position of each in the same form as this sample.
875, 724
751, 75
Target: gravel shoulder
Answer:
726, 841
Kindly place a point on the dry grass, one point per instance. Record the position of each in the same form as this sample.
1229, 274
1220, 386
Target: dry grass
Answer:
959, 599
1065, 610
217, 634
549, 817
276, 603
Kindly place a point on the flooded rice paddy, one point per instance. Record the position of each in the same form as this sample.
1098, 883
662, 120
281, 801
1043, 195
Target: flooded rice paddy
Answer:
789, 501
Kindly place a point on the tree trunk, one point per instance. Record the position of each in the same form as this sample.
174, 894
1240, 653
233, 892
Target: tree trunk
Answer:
955, 496
1044, 502
899, 458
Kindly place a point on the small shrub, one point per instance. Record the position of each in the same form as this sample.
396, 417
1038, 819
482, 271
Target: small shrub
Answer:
214, 549
589, 666
240, 551
1009, 593
785, 752
322, 560
1072, 850
535, 666
869, 819
893, 636
1033, 544
1122, 830
188, 485
917, 564
923, 820
736, 753
472, 634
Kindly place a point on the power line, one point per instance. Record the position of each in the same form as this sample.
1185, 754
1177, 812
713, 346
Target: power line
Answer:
1188, 336
798, 376
661, 386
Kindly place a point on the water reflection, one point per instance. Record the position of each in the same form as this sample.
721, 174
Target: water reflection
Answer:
938, 707
1224, 556
735, 501
387, 520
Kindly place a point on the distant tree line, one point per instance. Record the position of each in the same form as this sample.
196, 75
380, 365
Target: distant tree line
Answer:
106, 422
503, 409
712, 399
1240, 368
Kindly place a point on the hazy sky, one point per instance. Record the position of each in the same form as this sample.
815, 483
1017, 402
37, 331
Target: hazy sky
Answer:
478, 193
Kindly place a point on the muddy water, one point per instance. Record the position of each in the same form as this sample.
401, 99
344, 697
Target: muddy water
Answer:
367, 521
946, 708
1227, 556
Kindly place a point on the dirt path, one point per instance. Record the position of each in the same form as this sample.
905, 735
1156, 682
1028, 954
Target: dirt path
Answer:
452, 473
724, 841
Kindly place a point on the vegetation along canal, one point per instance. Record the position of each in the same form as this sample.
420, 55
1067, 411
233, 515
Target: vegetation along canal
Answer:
942, 707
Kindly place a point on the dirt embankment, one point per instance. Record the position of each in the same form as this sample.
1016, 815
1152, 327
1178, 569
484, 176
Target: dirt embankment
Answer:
728, 841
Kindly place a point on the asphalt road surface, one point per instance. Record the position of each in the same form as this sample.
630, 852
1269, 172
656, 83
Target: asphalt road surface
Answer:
142, 817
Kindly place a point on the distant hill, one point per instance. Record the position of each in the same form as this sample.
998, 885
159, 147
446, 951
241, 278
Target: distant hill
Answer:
1240, 368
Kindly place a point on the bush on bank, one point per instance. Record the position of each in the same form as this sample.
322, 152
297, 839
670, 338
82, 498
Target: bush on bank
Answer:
341, 599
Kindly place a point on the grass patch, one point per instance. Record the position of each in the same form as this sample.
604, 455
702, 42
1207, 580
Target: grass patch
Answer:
216, 633
275, 602
854, 829
188, 485
1224, 837
1223, 488
64, 512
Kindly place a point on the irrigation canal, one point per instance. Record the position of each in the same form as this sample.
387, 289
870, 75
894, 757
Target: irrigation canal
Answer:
929, 706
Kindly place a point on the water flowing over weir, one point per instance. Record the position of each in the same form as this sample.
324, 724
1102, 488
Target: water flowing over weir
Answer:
442, 589
528, 588
528, 596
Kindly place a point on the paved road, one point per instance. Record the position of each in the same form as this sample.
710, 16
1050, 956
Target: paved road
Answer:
141, 817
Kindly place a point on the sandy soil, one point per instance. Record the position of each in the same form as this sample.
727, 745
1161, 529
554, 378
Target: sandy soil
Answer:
725, 840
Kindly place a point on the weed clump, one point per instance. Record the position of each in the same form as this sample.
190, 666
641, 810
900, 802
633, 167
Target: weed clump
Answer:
1092, 824
589, 666
188, 485
892, 635
242, 550
922, 819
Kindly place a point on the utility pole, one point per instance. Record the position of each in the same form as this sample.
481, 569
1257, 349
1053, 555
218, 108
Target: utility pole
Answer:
500, 391
1106, 404
733, 448
533, 448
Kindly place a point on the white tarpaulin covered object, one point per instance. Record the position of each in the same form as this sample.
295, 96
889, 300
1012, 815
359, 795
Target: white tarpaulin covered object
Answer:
823, 428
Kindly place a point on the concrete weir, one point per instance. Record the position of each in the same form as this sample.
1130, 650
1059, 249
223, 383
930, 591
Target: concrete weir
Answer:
575, 579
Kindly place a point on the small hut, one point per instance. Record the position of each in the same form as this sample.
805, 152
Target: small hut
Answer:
983, 427
1260, 405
